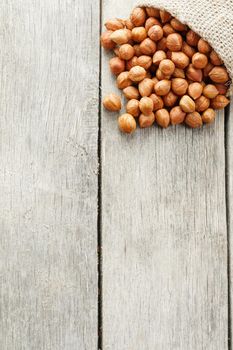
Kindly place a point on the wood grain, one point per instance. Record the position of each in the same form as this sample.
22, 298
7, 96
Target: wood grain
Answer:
164, 232
48, 176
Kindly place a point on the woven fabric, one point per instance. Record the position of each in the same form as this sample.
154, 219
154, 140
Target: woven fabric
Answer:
211, 19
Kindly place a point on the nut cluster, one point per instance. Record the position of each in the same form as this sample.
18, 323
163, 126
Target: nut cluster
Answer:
168, 74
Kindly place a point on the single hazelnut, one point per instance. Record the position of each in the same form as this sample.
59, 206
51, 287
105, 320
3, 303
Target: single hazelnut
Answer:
203, 46
194, 74
192, 38
120, 36
162, 44
158, 102
219, 102
123, 80
177, 116
180, 59
179, 86
148, 47
132, 63
127, 123
162, 118
208, 116
146, 105
112, 102
174, 42
145, 121
144, 61
131, 92
137, 50
167, 67
137, 73
152, 12
215, 59
165, 16
187, 104
139, 34
146, 86
106, 40
129, 24
178, 73
193, 120
132, 107
161, 76
202, 103
158, 57
199, 60
150, 22
114, 24
188, 50
177, 25
210, 91
163, 87
170, 99
167, 29
126, 52
222, 88
138, 16
219, 75
155, 33
195, 90
207, 69
116, 65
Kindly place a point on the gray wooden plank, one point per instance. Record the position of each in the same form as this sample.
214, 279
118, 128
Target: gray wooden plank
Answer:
163, 231
48, 177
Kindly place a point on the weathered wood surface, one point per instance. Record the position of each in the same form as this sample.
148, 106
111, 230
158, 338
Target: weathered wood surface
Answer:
163, 231
48, 177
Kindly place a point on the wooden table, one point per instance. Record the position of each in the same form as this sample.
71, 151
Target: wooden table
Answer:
136, 256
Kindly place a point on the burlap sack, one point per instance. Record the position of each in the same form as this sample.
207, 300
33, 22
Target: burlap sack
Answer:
211, 19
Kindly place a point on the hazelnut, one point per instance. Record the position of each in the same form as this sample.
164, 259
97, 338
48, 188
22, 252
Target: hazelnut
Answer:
195, 90
194, 74
112, 102
158, 102
155, 80
188, 50
137, 50
132, 63
187, 104
148, 46
152, 12
203, 46
199, 60
215, 59
116, 65
179, 86
106, 40
123, 80
155, 33
202, 103
219, 75
165, 16
207, 69
208, 116
167, 29
161, 76
167, 67
137, 73
144, 61
177, 116
210, 91
192, 38
222, 88
145, 121
139, 34
114, 24
138, 17
170, 99
127, 123
132, 108
163, 87
193, 120
126, 52
146, 86
120, 36
146, 105
179, 73
129, 24
150, 22
180, 59
162, 44
162, 118
174, 42
219, 102
158, 57
131, 92
177, 25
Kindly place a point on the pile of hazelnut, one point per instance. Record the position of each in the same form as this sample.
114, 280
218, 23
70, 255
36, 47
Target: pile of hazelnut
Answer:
168, 74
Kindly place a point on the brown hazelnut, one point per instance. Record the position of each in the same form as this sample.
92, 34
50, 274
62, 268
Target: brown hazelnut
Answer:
195, 90
188, 50
179, 73
146, 105
137, 73
112, 102
165, 16
194, 74
177, 25
162, 118
193, 120
145, 121
146, 86
116, 65
163, 87
199, 60
144, 61
126, 52
180, 59
222, 88
167, 67
155, 33
120, 36
208, 116
150, 22
167, 29
187, 104
203, 46
215, 59
139, 34
106, 40
152, 12
174, 42
170, 99
192, 38
179, 86
162, 44
219, 102
161, 76
210, 91
207, 69
132, 63
202, 103
219, 75
155, 80
131, 92
123, 80
137, 50
177, 116
132, 107
158, 57
158, 102
114, 24
138, 17
148, 47
127, 123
